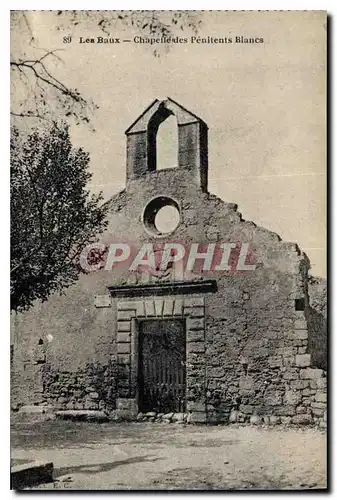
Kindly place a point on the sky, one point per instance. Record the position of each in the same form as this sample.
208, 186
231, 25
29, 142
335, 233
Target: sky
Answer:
264, 104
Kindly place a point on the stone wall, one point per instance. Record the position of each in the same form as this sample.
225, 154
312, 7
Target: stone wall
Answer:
316, 315
270, 382
251, 355
93, 388
255, 355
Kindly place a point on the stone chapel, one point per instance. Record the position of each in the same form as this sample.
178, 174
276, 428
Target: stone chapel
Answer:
220, 334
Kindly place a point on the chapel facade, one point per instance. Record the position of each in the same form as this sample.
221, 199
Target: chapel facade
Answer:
209, 319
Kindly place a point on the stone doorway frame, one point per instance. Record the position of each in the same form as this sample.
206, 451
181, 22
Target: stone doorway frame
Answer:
129, 313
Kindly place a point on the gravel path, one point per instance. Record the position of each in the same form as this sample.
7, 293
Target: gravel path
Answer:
172, 456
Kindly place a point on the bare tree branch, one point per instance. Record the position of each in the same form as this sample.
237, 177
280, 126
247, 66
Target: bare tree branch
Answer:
54, 97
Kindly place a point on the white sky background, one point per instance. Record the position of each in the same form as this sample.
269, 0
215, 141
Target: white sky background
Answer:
264, 105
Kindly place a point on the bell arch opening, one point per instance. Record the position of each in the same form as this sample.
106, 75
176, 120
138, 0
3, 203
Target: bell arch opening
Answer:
167, 144
163, 144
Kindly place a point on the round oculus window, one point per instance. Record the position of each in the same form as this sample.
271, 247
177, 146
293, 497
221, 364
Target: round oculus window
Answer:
161, 216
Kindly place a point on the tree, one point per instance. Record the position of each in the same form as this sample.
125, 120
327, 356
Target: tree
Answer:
53, 215
38, 93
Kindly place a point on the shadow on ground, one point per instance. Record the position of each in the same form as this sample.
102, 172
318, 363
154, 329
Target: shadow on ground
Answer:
102, 467
65, 434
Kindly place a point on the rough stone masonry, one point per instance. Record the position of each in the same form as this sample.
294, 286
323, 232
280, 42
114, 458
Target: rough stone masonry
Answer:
245, 352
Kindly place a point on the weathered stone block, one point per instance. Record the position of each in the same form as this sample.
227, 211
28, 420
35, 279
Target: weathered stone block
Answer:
196, 406
197, 417
195, 323
247, 409
246, 385
319, 405
158, 307
302, 419
194, 312
321, 397
303, 360
194, 301
216, 372
290, 374
299, 384
150, 414
195, 335
128, 406
274, 419
286, 410
233, 417
262, 352
88, 405
123, 348
178, 417
123, 359
149, 308
301, 334
292, 397
178, 307
286, 351
308, 373
241, 417
126, 306
123, 337
306, 392
318, 412
255, 420
321, 383
196, 361
195, 347
168, 307
140, 307
301, 409
275, 361
125, 315
101, 405
300, 324
313, 383
274, 398
288, 361
29, 409
124, 326
286, 420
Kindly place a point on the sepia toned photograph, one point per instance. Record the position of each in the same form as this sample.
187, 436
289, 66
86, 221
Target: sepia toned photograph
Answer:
168, 273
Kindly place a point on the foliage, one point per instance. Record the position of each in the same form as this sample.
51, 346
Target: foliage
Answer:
53, 215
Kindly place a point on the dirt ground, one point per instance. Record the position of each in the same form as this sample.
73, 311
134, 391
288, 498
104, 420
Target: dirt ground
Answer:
151, 456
